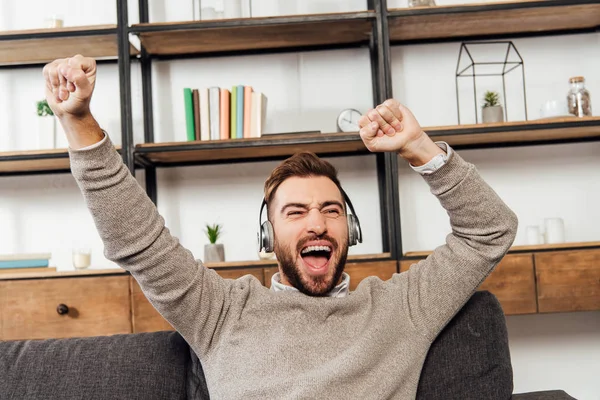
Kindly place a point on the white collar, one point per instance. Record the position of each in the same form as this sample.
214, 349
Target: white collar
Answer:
341, 290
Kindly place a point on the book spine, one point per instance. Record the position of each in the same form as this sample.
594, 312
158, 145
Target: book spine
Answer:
204, 115
189, 113
233, 112
225, 105
214, 105
240, 112
24, 264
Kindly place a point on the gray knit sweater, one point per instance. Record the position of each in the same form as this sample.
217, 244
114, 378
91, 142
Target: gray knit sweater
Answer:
255, 343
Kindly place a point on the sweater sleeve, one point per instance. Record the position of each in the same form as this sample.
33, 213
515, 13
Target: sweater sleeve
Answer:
483, 229
192, 298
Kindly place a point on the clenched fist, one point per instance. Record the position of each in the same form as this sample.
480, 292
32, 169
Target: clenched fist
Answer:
393, 127
69, 86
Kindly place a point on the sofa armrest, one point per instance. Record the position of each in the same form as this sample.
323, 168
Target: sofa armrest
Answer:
545, 395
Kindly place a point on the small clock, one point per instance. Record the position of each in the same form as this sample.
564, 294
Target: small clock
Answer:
347, 121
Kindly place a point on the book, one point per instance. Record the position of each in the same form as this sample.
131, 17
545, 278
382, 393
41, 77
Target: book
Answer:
258, 114
189, 113
233, 113
196, 103
24, 264
204, 115
25, 256
247, 110
214, 103
239, 123
224, 113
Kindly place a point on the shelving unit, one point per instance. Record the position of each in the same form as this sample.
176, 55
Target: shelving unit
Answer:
376, 29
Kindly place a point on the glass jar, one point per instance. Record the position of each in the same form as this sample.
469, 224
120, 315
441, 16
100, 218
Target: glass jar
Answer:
578, 98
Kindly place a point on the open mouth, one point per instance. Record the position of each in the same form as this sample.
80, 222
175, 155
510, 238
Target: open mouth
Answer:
316, 258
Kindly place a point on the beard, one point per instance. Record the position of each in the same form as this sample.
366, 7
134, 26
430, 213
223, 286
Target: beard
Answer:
311, 285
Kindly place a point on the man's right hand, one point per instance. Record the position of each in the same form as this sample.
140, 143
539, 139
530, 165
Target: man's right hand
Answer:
69, 86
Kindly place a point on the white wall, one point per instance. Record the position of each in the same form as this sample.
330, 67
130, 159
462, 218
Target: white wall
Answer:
306, 91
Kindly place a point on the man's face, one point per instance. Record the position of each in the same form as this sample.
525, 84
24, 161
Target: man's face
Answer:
311, 233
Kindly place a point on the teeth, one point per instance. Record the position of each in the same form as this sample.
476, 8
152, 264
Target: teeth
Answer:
316, 248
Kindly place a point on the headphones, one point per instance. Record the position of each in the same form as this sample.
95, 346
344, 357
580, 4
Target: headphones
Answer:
266, 237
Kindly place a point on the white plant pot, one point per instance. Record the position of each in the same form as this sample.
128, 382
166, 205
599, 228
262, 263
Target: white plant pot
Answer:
46, 132
492, 114
214, 252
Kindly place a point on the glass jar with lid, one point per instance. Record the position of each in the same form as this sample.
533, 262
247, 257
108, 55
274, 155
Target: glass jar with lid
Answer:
578, 98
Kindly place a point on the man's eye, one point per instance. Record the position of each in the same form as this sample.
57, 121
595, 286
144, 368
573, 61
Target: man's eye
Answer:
332, 212
295, 213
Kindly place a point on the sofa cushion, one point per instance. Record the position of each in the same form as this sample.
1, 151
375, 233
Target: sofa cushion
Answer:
141, 366
470, 358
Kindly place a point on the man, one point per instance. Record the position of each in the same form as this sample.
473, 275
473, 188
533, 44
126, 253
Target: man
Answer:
314, 340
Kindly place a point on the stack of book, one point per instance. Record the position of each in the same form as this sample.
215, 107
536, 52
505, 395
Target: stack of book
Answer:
217, 113
17, 263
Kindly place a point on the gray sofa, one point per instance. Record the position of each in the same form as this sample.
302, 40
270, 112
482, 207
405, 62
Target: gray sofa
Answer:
469, 360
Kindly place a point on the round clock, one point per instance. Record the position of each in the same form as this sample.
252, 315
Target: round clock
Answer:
347, 121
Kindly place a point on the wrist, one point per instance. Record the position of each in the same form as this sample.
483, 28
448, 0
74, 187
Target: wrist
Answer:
81, 131
420, 151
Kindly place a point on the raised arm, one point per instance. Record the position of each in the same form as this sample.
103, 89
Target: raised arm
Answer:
483, 227
191, 297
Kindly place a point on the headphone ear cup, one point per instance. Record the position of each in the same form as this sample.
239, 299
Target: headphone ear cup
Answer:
267, 237
353, 234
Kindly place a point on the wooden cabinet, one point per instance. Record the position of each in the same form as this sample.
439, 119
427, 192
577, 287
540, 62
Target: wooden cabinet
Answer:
144, 317
568, 280
94, 303
512, 282
66, 307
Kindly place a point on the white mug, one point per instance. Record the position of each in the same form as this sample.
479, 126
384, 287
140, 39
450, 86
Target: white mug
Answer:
555, 230
534, 235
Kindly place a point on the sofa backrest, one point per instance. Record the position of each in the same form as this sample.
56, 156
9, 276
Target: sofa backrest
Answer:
470, 358
139, 366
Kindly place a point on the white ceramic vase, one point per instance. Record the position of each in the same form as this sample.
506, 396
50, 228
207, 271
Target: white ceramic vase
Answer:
214, 252
47, 127
492, 114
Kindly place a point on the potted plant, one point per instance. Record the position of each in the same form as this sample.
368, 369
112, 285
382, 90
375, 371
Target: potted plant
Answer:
492, 110
214, 252
46, 126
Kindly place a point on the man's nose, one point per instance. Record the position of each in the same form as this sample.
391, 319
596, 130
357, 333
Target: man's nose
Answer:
316, 222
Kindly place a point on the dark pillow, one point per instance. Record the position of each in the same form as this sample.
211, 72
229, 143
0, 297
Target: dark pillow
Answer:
470, 358
137, 366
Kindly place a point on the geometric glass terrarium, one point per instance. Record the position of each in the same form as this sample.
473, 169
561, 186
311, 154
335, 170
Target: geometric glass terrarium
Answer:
485, 67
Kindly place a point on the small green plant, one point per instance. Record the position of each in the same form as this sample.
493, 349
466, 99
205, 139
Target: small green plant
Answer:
43, 109
213, 232
491, 99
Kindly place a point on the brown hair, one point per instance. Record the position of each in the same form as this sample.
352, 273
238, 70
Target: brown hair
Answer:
303, 164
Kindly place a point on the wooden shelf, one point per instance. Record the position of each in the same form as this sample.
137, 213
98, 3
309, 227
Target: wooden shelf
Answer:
254, 34
276, 146
238, 150
526, 249
552, 130
41, 46
486, 20
273, 263
62, 274
34, 161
